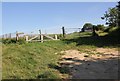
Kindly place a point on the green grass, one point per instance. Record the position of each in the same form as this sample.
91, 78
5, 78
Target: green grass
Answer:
32, 60
77, 34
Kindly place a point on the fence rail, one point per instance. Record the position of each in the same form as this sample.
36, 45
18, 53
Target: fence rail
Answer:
28, 36
38, 35
9, 35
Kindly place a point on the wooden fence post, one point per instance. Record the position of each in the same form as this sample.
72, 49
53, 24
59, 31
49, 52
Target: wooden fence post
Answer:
6, 36
26, 38
3, 37
56, 37
63, 30
41, 38
94, 33
17, 36
10, 35
40, 33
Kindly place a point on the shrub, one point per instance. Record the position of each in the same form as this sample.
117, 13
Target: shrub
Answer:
21, 41
60, 36
100, 27
9, 41
107, 29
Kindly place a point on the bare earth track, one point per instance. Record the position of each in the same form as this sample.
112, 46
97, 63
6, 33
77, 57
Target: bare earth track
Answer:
102, 63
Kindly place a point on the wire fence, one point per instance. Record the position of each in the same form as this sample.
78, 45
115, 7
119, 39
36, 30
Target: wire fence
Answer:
72, 30
48, 31
9, 35
31, 34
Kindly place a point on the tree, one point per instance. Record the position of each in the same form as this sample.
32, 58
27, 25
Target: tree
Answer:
100, 27
111, 16
87, 26
118, 7
94, 33
83, 30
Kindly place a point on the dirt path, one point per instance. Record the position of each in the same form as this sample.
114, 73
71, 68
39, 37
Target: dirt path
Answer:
102, 63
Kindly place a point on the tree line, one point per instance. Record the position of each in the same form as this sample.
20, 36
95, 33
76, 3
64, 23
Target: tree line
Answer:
111, 17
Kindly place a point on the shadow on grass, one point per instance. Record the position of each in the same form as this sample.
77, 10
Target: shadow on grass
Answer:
47, 75
96, 41
112, 39
61, 69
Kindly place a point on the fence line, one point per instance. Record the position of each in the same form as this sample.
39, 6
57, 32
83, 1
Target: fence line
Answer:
9, 35
28, 36
38, 33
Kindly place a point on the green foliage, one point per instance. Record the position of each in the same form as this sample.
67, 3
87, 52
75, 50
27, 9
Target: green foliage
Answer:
78, 34
114, 32
118, 7
32, 60
87, 26
60, 36
107, 29
8, 41
100, 27
21, 41
113, 29
82, 30
111, 16
13, 40
110, 29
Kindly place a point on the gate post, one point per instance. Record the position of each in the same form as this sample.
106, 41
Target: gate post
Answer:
41, 38
56, 37
40, 33
63, 30
10, 35
26, 37
16, 36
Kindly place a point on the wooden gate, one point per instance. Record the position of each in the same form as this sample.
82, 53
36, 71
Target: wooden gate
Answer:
41, 38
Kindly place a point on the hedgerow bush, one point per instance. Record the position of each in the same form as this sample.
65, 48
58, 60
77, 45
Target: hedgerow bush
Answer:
13, 40
8, 41
21, 41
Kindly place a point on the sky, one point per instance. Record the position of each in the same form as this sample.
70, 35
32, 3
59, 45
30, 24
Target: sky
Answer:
0, 18
59, 0
51, 16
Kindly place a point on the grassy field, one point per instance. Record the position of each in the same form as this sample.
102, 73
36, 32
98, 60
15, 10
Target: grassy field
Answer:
32, 60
